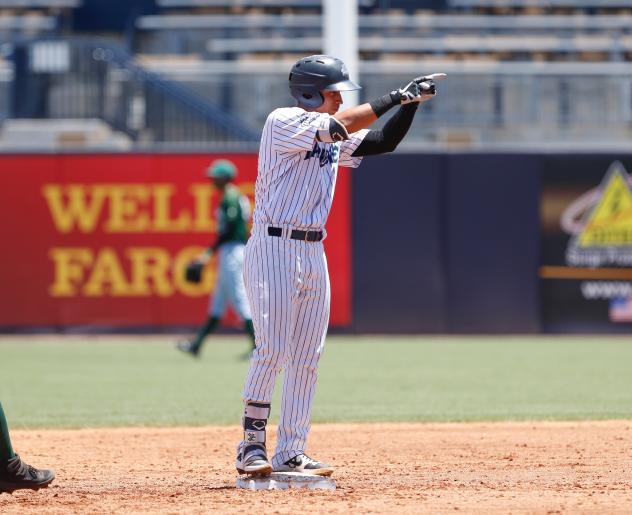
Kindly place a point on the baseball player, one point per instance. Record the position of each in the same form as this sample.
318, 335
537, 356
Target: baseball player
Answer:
233, 215
14, 473
285, 268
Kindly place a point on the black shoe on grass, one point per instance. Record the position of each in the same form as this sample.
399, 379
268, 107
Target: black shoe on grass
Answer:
188, 348
246, 355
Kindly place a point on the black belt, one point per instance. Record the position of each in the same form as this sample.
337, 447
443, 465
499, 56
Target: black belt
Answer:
297, 235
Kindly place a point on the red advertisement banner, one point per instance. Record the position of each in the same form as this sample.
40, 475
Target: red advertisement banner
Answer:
102, 240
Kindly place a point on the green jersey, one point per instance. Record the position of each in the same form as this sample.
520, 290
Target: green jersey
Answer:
232, 216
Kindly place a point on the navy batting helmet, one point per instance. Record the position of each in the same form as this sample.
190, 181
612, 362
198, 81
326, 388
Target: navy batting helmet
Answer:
316, 73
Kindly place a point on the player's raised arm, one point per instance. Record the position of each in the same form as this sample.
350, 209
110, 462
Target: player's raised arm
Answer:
418, 90
316, 82
409, 97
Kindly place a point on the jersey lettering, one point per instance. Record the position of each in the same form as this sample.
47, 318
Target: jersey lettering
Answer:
327, 154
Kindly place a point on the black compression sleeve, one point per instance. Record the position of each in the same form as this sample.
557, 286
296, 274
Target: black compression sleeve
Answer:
387, 139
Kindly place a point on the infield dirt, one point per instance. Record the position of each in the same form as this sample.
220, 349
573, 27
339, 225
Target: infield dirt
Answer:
531, 467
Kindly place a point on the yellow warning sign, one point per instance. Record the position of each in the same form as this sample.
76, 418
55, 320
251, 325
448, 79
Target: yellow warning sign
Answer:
610, 222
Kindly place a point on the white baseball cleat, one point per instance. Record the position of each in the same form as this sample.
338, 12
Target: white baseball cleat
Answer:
305, 465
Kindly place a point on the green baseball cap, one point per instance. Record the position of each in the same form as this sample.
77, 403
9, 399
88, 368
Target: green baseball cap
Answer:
222, 168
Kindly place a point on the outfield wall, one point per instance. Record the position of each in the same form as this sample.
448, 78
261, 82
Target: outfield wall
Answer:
455, 241
434, 243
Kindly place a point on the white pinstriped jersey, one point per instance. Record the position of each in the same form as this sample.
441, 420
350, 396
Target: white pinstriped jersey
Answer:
297, 174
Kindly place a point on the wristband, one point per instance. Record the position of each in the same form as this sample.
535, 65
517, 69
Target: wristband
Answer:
384, 103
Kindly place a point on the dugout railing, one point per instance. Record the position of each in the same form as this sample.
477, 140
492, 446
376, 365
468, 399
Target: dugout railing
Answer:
481, 105
90, 79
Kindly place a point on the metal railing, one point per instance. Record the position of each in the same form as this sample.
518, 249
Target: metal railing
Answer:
482, 104
576, 4
31, 4
222, 36
77, 78
239, 3
399, 23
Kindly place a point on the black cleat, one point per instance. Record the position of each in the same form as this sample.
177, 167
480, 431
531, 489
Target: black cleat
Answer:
17, 475
188, 348
246, 355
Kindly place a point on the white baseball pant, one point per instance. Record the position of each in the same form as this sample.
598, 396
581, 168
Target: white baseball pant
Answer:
287, 283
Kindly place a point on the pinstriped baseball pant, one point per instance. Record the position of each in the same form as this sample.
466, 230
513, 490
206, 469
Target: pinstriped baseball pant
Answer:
287, 283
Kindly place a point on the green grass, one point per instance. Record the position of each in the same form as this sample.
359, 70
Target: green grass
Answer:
143, 381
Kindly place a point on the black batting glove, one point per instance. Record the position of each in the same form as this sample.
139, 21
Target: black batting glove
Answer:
417, 91
420, 89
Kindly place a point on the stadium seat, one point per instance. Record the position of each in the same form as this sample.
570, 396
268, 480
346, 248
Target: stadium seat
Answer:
59, 134
46, 4
239, 3
575, 4
506, 37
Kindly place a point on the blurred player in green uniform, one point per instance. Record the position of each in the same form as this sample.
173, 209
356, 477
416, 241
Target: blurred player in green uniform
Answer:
14, 473
232, 215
